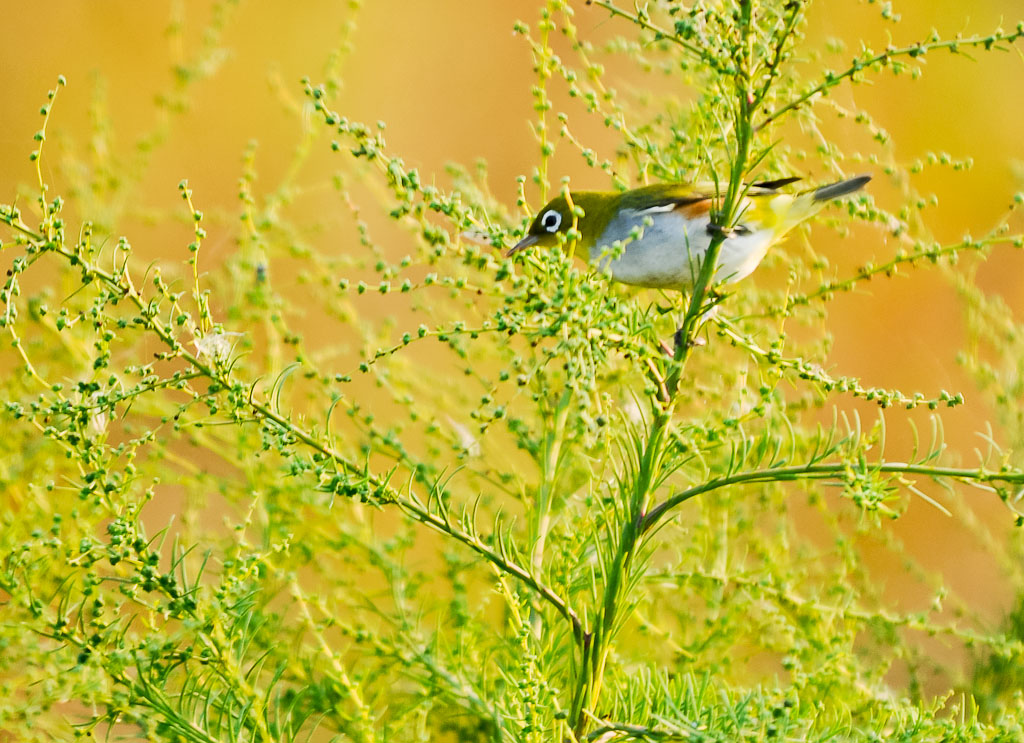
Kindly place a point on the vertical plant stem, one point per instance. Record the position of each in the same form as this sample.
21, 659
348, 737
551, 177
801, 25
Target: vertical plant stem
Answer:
540, 518
543, 54
599, 640
597, 644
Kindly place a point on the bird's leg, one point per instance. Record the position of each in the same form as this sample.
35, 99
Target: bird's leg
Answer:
678, 340
677, 337
714, 299
717, 229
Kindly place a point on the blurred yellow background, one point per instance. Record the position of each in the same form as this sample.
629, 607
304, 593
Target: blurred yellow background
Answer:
452, 82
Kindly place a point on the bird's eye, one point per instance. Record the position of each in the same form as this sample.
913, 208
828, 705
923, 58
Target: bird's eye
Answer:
551, 220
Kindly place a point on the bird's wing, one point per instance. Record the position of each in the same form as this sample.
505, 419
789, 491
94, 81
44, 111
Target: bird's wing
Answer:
693, 200
667, 197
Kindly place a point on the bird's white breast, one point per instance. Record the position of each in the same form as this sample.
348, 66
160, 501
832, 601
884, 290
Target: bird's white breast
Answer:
670, 250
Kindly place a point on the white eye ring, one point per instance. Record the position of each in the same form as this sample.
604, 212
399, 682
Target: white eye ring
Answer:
551, 220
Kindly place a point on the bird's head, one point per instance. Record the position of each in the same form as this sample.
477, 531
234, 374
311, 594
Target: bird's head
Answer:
583, 210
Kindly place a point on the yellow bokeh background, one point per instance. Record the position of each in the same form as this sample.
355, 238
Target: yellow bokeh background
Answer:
452, 82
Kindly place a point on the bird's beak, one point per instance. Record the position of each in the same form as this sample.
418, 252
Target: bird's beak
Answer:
524, 243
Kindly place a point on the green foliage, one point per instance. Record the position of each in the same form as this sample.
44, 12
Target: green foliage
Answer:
506, 500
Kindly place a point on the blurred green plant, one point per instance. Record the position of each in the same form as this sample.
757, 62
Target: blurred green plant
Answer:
490, 506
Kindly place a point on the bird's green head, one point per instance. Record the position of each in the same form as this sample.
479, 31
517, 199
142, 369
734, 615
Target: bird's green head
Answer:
588, 211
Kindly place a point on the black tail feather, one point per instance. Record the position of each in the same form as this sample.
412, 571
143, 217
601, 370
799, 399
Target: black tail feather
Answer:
842, 188
776, 184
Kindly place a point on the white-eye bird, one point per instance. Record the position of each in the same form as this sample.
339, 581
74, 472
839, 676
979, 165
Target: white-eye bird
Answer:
656, 236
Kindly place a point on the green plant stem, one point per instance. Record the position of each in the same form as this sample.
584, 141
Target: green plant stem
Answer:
410, 504
806, 370
877, 60
920, 253
540, 517
644, 22
543, 55
442, 524
598, 645
825, 472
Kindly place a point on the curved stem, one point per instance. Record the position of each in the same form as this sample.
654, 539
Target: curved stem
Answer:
824, 472
264, 411
442, 524
877, 60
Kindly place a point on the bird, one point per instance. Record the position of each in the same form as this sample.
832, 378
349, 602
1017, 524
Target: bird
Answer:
656, 236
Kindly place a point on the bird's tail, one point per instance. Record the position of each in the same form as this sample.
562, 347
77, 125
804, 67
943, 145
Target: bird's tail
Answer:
790, 210
841, 188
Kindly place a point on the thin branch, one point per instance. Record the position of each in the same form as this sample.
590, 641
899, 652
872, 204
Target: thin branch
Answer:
439, 523
825, 472
644, 22
383, 491
912, 50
